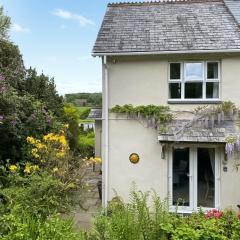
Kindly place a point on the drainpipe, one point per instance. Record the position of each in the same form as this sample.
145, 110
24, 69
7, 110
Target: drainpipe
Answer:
106, 134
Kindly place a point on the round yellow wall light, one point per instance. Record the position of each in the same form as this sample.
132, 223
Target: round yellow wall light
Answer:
134, 158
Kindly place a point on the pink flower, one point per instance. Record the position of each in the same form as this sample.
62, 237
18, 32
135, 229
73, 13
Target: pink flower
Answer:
214, 213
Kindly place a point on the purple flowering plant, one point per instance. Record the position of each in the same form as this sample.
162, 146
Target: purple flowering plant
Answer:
232, 145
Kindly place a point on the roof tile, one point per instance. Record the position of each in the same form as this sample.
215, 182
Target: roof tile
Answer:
167, 26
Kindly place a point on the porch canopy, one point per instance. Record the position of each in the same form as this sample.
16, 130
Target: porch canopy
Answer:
203, 131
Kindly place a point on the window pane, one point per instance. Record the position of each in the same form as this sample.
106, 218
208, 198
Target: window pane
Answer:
212, 90
194, 71
181, 183
175, 90
193, 90
206, 177
212, 70
175, 71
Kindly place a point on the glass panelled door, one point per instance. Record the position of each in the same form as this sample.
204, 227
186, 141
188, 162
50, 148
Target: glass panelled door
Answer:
206, 177
194, 178
180, 179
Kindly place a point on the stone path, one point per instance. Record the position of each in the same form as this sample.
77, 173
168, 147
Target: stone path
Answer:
92, 204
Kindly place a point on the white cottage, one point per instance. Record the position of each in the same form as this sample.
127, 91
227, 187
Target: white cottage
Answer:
182, 54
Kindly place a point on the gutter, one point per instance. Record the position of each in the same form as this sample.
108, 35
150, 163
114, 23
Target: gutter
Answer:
102, 54
106, 133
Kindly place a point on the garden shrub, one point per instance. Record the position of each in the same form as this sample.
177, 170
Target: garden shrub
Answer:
86, 143
28, 227
39, 194
137, 221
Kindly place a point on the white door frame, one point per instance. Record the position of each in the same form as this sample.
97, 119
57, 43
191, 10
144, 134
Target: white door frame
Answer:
193, 176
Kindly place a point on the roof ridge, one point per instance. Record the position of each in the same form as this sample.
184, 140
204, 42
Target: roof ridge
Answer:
153, 2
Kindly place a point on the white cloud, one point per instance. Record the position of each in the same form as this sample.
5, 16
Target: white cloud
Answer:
20, 29
83, 21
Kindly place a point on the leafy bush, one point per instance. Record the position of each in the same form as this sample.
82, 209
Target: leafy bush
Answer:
137, 221
72, 117
28, 227
38, 194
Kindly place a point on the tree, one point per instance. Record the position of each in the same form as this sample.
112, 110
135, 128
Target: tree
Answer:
11, 65
5, 23
72, 117
43, 89
93, 99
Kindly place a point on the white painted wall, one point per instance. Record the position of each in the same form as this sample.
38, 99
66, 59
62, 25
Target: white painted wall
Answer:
130, 136
230, 191
141, 81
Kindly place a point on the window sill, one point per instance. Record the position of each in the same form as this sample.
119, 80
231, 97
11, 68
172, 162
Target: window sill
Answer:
190, 101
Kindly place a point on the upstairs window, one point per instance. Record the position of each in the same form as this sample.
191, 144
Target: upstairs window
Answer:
194, 81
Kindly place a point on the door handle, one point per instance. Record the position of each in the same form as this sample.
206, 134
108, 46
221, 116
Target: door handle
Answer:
190, 176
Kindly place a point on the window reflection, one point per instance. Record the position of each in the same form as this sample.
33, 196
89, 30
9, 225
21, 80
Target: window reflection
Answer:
194, 71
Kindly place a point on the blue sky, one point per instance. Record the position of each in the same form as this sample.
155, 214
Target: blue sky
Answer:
56, 37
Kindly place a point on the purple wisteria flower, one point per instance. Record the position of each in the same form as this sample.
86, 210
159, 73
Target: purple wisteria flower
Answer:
3, 88
232, 145
229, 149
2, 78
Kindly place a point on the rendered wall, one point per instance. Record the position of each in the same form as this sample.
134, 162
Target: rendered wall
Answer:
142, 81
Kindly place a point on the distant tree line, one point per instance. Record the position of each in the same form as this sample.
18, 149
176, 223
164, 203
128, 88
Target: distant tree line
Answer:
92, 99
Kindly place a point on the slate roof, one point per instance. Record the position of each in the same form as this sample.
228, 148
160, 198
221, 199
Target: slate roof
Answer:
168, 26
190, 127
234, 7
95, 113
199, 133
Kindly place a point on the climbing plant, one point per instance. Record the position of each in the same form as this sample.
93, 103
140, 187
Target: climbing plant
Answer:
155, 115
209, 115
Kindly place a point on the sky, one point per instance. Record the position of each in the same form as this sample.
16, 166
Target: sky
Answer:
56, 37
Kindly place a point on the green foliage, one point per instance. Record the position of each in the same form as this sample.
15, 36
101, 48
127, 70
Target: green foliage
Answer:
160, 114
33, 190
43, 89
137, 221
88, 139
83, 112
93, 99
26, 227
22, 116
86, 143
11, 65
37, 194
72, 118
134, 221
5, 23
29, 202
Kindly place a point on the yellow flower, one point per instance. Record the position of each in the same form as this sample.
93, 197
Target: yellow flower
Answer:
63, 140
66, 126
35, 168
60, 154
13, 168
31, 140
55, 169
41, 146
34, 151
98, 160
27, 169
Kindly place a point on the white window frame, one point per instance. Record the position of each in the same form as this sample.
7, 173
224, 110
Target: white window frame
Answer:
193, 178
204, 82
